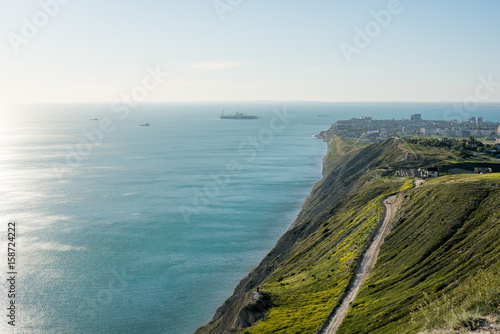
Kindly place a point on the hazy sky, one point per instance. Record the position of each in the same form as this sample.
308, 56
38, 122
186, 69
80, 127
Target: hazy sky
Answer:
89, 50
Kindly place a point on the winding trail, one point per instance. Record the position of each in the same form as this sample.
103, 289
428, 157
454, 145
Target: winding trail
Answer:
366, 265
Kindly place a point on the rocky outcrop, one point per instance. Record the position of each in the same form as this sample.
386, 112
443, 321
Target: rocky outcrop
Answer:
239, 311
254, 310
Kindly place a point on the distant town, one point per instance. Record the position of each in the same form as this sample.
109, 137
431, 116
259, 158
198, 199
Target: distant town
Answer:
371, 130
474, 140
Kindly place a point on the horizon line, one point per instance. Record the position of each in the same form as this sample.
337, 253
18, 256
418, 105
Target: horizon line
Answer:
250, 101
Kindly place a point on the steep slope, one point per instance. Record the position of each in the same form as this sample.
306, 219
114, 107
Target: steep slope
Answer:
439, 266
306, 274
365, 266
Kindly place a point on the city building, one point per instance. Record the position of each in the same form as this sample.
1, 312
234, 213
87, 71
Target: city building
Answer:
416, 117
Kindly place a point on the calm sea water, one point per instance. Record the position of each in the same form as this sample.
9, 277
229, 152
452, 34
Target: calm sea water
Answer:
149, 229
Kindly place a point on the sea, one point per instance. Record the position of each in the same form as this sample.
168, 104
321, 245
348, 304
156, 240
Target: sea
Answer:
123, 228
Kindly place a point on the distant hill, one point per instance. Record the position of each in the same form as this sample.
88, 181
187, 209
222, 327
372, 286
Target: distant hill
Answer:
441, 254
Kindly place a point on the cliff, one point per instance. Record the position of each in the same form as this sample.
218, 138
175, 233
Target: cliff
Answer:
306, 275
342, 173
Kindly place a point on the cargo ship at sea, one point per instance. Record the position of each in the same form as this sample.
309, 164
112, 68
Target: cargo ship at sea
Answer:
238, 115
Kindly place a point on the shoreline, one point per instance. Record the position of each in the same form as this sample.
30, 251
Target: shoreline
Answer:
296, 249
229, 314
316, 184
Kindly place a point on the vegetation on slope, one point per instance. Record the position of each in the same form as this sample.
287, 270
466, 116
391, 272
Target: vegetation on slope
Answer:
311, 282
443, 245
312, 263
443, 241
431, 261
345, 168
426, 153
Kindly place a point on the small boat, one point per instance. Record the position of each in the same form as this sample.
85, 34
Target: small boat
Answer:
323, 115
145, 124
93, 119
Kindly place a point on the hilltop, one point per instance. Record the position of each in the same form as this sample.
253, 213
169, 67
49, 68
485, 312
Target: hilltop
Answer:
442, 241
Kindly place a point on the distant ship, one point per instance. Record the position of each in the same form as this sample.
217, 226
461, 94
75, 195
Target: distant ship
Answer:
145, 124
323, 115
238, 115
93, 119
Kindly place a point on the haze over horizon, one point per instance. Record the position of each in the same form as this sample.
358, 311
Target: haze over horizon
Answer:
56, 51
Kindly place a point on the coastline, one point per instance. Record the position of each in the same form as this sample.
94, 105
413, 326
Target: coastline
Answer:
233, 313
334, 243
317, 183
306, 239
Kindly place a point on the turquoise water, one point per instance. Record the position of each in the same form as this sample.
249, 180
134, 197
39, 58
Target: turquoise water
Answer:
149, 229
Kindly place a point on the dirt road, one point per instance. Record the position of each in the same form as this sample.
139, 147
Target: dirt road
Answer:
367, 263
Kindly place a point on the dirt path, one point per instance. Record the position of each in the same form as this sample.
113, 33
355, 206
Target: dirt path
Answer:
367, 263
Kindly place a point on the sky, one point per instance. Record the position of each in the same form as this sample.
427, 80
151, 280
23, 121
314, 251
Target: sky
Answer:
65, 51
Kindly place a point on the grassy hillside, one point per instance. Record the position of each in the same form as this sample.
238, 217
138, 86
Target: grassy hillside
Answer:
444, 239
308, 270
444, 158
308, 282
439, 266
311, 281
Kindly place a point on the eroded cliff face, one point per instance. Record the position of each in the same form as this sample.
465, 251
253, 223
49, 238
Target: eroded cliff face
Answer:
341, 171
257, 304
240, 312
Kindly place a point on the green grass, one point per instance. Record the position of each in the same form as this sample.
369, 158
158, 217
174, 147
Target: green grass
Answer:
358, 142
475, 178
409, 148
443, 248
445, 159
471, 164
307, 287
313, 276
437, 244
409, 184
337, 149
445, 236
477, 297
